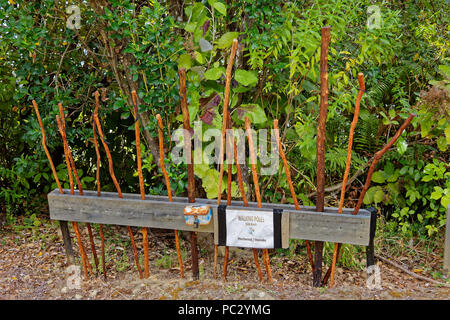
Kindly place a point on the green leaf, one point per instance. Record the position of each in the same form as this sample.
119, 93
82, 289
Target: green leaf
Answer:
378, 177
378, 196
447, 133
219, 6
437, 194
255, 113
214, 73
199, 57
445, 201
226, 40
184, 61
442, 143
402, 145
246, 78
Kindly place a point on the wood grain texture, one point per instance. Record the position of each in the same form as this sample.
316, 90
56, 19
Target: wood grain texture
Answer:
158, 212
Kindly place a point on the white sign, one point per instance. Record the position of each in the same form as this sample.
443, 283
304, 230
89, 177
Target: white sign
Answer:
250, 229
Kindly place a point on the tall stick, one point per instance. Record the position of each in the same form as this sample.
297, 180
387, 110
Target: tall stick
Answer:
291, 186
190, 166
141, 182
230, 168
362, 88
257, 192
80, 187
84, 258
317, 273
116, 184
226, 101
244, 199
97, 174
169, 191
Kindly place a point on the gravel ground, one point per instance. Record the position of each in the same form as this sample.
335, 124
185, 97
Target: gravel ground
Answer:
33, 266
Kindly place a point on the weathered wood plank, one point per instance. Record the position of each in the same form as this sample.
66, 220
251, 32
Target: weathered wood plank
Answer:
158, 212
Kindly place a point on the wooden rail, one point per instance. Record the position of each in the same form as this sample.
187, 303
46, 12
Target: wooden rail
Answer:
158, 212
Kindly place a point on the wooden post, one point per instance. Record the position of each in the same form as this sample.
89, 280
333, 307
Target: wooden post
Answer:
447, 244
370, 249
67, 242
320, 200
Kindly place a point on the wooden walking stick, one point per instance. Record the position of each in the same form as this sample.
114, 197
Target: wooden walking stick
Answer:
291, 186
190, 166
377, 157
84, 258
226, 101
230, 168
74, 224
116, 184
68, 152
141, 181
318, 245
169, 191
257, 192
244, 199
362, 88
97, 151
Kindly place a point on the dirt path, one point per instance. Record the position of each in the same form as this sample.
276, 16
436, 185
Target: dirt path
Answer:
33, 266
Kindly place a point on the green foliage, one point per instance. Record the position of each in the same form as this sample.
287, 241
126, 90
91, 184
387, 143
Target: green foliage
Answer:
275, 76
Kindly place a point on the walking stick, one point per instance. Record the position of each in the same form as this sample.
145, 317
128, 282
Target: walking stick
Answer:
375, 160
291, 186
141, 181
84, 258
169, 191
230, 168
318, 245
74, 224
244, 199
97, 151
68, 152
190, 166
226, 101
257, 192
116, 184
337, 246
